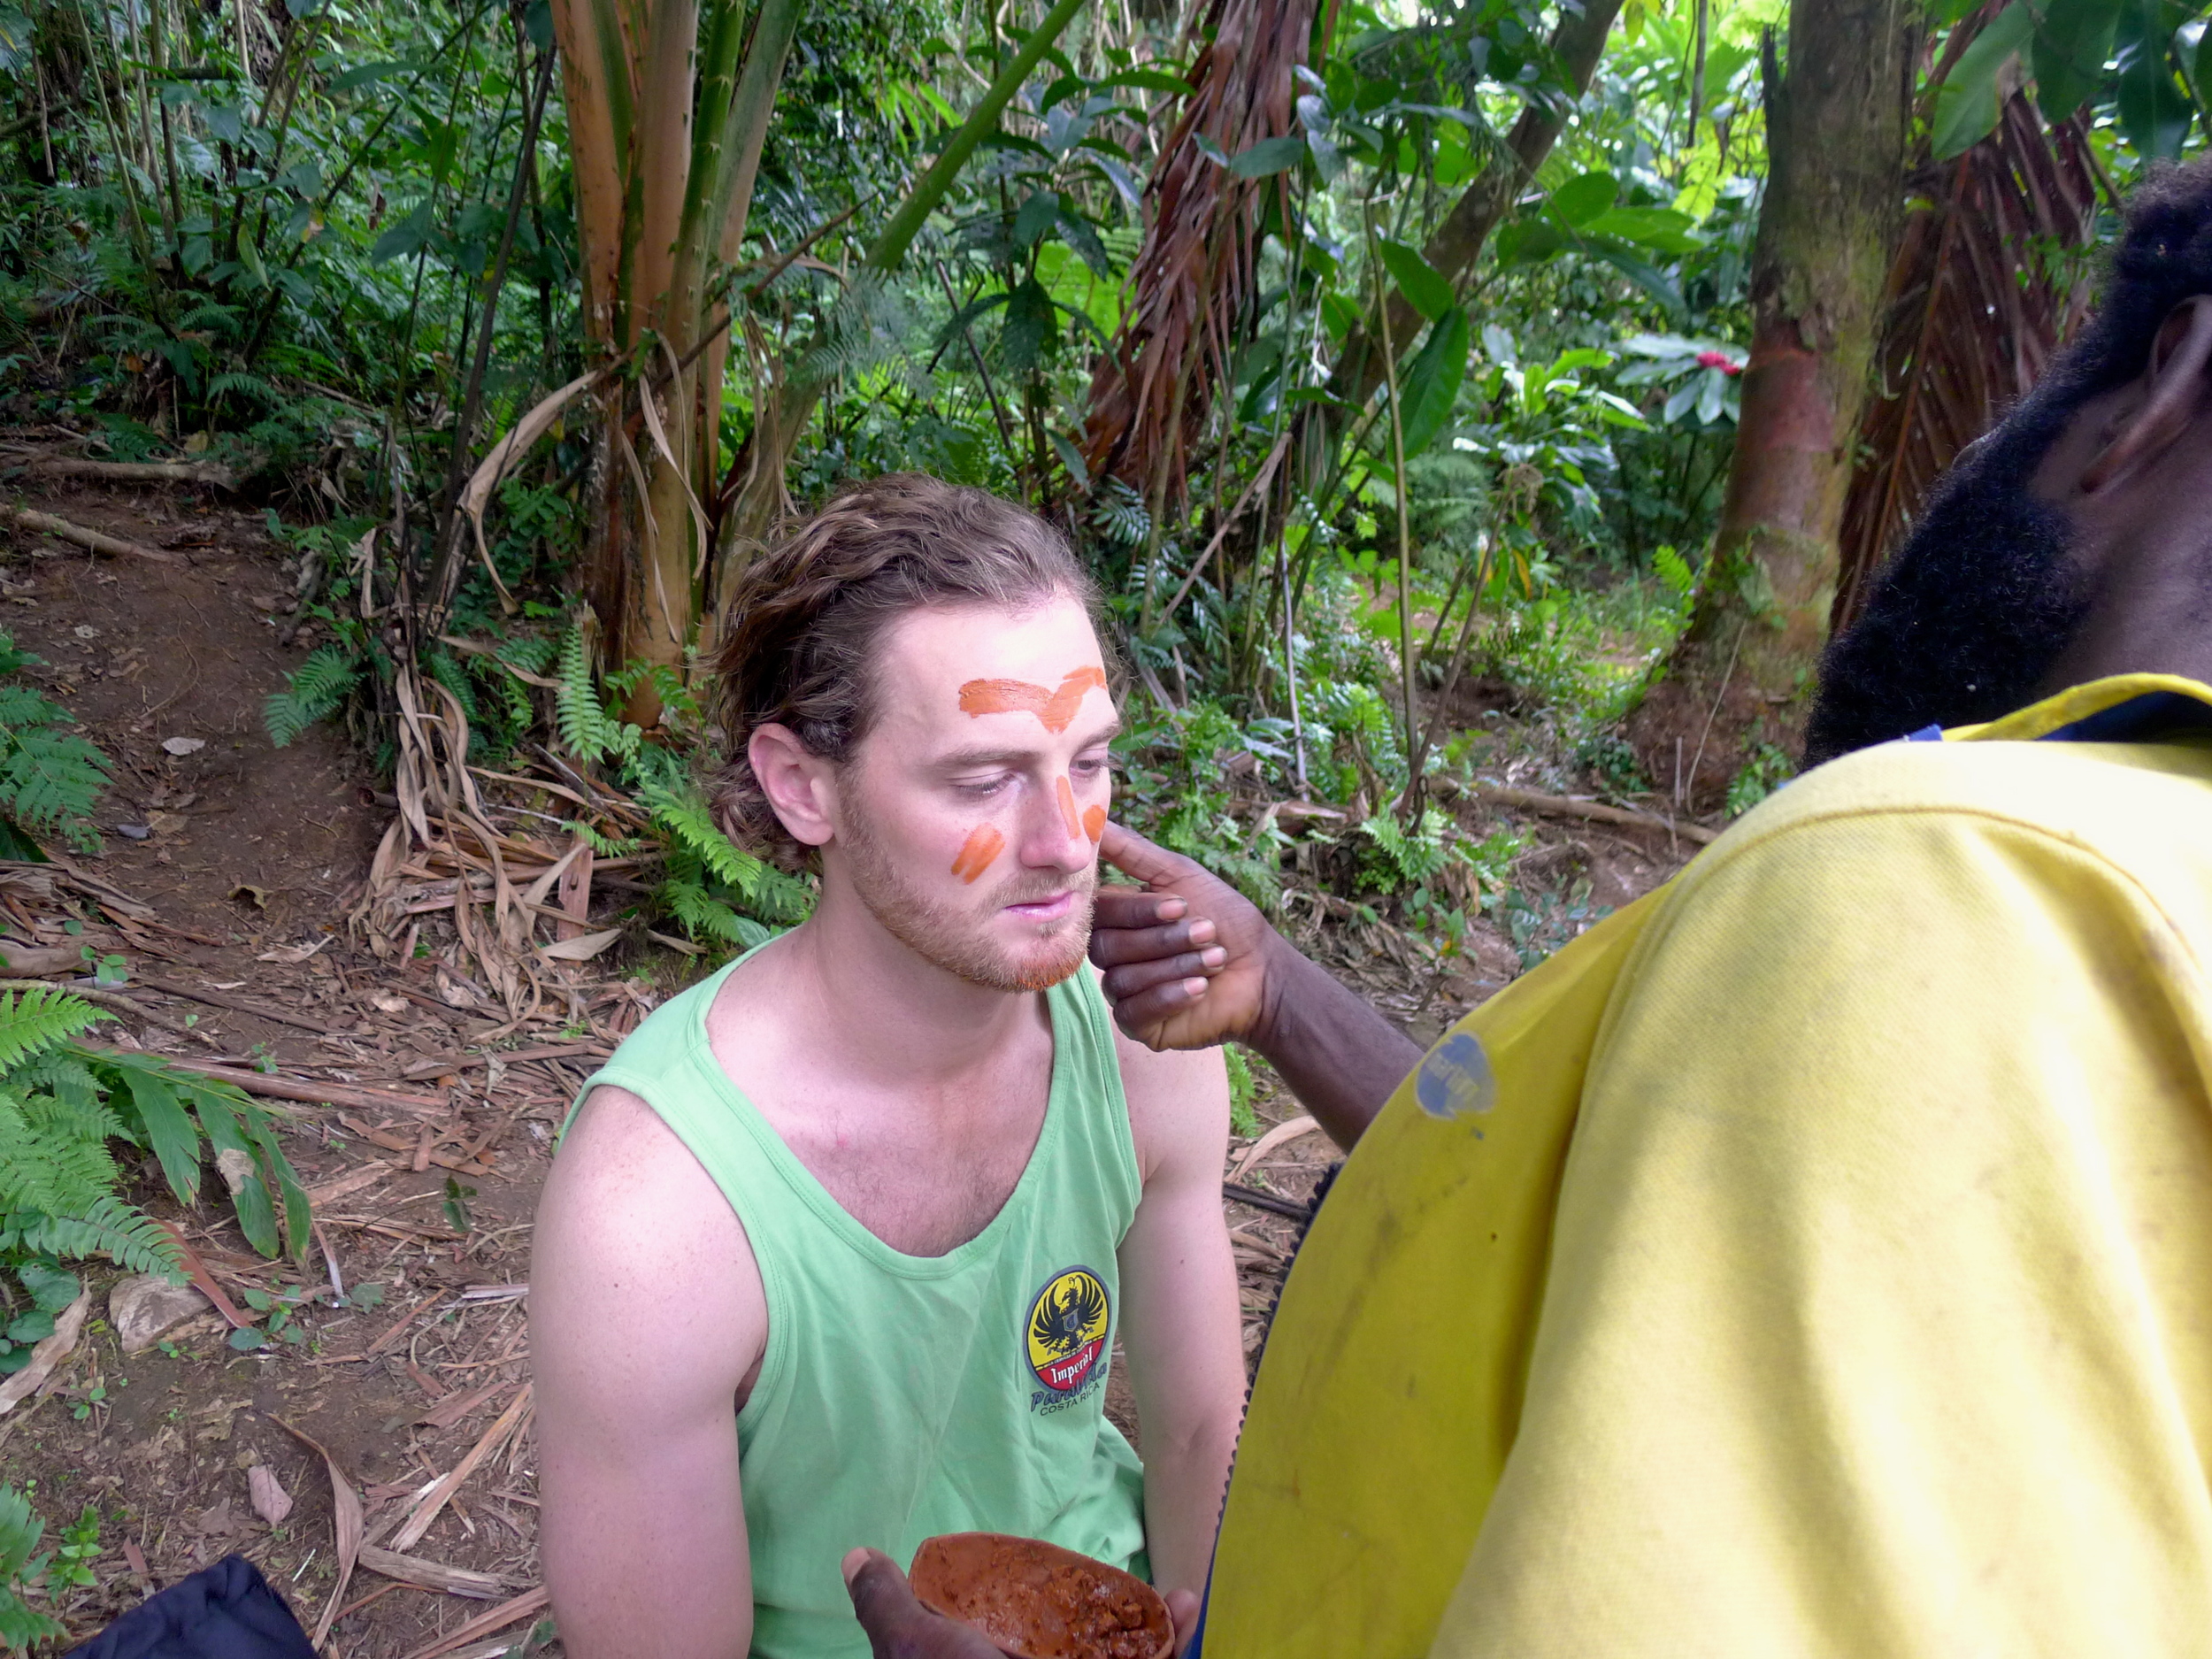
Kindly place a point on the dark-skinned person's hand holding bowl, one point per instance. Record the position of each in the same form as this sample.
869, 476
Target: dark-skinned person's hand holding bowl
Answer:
1032, 1596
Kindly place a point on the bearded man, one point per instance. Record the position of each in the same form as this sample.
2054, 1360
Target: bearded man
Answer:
839, 1247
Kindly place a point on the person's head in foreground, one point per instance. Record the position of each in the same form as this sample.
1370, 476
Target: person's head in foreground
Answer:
1831, 1270
2075, 538
844, 1241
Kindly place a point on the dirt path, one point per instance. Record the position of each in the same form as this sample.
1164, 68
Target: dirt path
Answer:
250, 856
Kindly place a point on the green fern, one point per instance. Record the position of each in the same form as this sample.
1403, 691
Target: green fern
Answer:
50, 779
455, 679
19, 1532
591, 734
250, 384
36, 1020
312, 691
64, 1105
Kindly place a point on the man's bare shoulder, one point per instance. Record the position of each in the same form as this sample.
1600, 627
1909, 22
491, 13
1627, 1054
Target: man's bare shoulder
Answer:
629, 1222
1179, 1105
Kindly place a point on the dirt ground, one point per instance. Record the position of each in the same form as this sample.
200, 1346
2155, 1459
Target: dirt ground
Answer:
250, 857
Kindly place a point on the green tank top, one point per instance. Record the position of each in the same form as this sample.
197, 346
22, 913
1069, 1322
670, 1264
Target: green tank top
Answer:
902, 1397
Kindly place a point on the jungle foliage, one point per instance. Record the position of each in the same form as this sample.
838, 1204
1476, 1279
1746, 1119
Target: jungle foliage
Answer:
1383, 359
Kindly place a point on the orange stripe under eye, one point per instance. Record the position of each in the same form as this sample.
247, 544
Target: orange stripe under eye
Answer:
984, 843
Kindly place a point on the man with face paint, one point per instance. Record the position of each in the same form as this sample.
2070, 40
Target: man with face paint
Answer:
842, 1243
1816, 1257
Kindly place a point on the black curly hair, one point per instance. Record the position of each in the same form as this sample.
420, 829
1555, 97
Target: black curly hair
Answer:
1965, 622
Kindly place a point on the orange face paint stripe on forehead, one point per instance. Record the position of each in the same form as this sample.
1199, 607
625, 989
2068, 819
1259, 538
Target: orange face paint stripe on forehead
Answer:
1055, 708
1094, 821
984, 843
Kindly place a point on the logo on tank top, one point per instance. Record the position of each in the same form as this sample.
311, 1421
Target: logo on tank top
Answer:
1067, 1328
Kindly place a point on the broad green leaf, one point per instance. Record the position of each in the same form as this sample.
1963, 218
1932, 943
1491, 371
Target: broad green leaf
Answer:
1529, 242
2155, 111
169, 1128
1038, 215
52, 1290
273, 1162
1270, 156
1712, 386
1659, 227
1422, 284
1581, 200
2073, 39
1966, 104
257, 1216
1433, 382
1033, 327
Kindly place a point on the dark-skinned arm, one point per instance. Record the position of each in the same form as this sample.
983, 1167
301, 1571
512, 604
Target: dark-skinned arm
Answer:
1189, 961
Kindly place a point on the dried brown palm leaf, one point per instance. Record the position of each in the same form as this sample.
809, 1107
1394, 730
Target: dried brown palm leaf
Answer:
1991, 276
1194, 274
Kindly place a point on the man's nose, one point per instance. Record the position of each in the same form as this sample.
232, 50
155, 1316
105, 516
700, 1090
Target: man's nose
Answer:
1053, 836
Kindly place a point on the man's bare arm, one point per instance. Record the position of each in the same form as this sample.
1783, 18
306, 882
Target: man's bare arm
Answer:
645, 1314
1190, 961
1181, 1326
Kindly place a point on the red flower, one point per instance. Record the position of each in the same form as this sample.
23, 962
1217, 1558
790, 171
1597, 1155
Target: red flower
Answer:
1719, 360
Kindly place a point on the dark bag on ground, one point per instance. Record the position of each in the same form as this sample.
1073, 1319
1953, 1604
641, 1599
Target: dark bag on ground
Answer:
227, 1611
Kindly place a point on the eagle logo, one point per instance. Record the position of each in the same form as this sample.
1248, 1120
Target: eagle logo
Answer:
1068, 1324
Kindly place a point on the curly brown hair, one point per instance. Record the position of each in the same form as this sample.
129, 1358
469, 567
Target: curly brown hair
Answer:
805, 617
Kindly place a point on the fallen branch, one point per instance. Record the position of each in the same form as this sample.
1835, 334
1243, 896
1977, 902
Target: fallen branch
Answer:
137, 471
1567, 806
432, 1575
95, 541
1259, 1200
275, 1086
237, 1004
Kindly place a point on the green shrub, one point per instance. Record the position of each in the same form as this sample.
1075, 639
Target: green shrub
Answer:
49, 777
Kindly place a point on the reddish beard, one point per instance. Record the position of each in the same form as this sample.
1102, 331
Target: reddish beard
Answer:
956, 937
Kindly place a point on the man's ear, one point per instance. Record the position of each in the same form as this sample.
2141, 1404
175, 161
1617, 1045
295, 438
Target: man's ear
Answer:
2177, 380
796, 781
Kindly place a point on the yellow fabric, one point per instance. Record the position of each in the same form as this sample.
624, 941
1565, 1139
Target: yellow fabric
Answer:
1851, 1299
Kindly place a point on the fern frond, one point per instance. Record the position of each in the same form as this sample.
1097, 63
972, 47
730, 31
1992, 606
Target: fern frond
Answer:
583, 722
704, 916
312, 691
248, 384
455, 679
685, 819
31, 1022
109, 1228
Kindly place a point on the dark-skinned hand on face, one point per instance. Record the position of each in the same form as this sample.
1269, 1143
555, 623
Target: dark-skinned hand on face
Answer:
1189, 962
900, 1627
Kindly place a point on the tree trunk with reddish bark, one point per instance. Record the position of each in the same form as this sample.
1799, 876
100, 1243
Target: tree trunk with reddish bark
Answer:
1837, 121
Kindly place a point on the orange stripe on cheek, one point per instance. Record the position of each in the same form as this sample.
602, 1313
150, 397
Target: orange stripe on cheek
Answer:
1067, 806
1094, 821
984, 843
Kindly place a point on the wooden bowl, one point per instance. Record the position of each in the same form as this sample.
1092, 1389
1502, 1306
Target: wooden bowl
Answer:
1037, 1600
